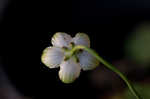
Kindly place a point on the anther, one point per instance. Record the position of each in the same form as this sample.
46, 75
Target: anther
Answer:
72, 44
64, 48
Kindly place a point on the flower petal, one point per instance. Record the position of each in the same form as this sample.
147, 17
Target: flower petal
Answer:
61, 39
52, 57
82, 39
69, 71
87, 61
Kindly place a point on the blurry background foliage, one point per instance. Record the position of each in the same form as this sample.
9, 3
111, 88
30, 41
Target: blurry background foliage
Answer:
143, 89
138, 44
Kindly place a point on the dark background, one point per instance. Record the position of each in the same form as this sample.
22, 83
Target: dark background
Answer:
107, 22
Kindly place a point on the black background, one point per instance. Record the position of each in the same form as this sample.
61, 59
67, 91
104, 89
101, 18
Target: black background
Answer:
107, 23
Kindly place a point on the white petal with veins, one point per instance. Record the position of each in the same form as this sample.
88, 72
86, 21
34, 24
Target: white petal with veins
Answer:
61, 39
82, 39
52, 56
87, 61
69, 71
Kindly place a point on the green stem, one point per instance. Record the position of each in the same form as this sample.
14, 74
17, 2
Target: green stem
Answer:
110, 66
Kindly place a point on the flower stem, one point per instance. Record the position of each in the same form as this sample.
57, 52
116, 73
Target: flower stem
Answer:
110, 66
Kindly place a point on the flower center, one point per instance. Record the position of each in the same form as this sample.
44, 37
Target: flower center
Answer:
69, 53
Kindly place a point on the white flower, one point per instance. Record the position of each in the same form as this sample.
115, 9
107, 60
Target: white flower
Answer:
55, 56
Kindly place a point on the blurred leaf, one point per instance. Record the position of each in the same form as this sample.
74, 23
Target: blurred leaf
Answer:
143, 90
138, 44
